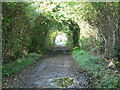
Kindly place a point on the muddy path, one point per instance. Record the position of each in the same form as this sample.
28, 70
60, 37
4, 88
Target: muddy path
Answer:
57, 70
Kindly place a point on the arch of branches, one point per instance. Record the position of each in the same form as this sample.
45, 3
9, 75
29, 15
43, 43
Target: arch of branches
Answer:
44, 27
92, 26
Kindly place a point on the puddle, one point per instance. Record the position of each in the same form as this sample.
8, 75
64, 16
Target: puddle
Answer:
63, 82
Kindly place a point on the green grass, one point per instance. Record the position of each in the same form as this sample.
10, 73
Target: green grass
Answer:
18, 65
93, 65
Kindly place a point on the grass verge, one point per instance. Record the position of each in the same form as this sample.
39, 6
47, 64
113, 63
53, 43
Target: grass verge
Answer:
103, 77
18, 65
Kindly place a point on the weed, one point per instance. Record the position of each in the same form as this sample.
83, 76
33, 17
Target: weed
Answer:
18, 65
92, 64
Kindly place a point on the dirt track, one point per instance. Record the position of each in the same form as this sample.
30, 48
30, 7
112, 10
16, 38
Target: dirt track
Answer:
52, 67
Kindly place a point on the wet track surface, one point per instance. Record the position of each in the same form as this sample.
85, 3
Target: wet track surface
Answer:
48, 71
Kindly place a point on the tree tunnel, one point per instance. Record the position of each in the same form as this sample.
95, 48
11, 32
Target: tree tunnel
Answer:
58, 36
84, 24
45, 31
89, 31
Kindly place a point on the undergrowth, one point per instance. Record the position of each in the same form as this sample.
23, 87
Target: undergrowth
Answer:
104, 78
18, 65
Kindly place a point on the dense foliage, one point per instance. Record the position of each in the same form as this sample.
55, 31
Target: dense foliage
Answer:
103, 74
104, 16
24, 30
16, 29
102, 32
100, 21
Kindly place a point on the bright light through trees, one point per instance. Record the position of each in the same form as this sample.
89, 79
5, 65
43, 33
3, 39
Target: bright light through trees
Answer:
61, 39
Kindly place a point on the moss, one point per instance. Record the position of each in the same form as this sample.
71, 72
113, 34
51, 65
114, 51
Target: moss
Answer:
64, 82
